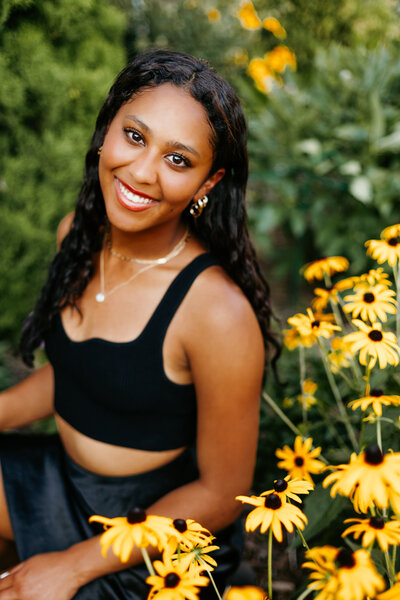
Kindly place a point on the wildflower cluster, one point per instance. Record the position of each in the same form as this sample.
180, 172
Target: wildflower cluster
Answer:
353, 324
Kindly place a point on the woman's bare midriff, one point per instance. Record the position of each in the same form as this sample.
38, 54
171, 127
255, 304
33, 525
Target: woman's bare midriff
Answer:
108, 460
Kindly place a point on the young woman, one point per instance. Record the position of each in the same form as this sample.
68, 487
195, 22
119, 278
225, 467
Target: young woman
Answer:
155, 319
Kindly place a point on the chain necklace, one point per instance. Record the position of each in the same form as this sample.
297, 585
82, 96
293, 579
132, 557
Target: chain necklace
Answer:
150, 261
102, 295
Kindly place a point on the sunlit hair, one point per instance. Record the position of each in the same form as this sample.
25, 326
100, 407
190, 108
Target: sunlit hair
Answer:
221, 228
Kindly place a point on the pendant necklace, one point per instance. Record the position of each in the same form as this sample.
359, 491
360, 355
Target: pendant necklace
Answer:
149, 264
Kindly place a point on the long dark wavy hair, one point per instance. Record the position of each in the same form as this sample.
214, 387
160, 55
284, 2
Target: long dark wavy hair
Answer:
221, 228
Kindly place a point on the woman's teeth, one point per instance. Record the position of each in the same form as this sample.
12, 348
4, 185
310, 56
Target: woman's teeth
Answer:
133, 197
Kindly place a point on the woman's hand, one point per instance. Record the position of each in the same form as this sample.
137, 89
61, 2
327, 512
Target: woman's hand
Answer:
47, 576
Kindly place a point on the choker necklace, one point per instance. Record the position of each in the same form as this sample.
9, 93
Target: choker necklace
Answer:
102, 295
150, 261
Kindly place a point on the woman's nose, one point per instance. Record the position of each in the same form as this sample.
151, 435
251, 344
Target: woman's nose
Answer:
143, 167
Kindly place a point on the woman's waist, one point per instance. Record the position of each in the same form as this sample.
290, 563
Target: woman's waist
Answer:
110, 460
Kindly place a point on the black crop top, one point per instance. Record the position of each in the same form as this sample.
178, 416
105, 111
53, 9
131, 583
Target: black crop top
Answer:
118, 392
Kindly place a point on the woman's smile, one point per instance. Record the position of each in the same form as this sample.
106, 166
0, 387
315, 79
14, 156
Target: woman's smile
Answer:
131, 198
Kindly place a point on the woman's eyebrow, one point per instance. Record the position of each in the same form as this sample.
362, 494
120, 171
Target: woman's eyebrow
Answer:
172, 144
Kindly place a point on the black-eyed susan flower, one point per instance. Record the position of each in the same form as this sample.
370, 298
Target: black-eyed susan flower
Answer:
290, 488
301, 461
187, 533
292, 339
371, 302
136, 529
264, 78
373, 277
391, 232
199, 556
340, 356
370, 478
343, 575
375, 399
347, 283
324, 266
307, 398
311, 328
373, 344
248, 16
271, 24
245, 592
323, 296
279, 58
213, 15
272, 512
178, 580
387, 250
386, 533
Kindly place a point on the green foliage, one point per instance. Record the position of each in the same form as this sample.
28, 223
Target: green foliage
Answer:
57, 61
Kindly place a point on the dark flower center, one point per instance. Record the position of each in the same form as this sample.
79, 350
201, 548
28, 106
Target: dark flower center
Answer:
393, 241
368, 297
171, 580
136, 515
345, 559
376, 392
377, 522
180, 525
299, 461
272, 501
280, 485
375, 335
373, 455
315, 324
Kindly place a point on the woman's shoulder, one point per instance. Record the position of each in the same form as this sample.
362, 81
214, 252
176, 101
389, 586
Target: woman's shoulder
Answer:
64, 227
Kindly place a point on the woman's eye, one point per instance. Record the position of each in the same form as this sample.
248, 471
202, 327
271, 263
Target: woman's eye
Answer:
178, 160
133, 135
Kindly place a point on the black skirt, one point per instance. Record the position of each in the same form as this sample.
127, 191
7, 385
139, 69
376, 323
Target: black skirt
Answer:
50, 499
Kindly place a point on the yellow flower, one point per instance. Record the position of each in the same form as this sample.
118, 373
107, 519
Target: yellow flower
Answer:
375, 399
272, 512
292, 338
136, 529
384, 250
175, 580
311, 328
308, 399
369, 478
262, 75
187, 533
300, 462
373, 277
245, 592
309, 386
213, 15
271, 24
324, 266
290, 488
375, 529
391, 232
198, 556
279, 58
323, 296
342, 575
340, 355
347, 283
248, 16
371, 302
374, 343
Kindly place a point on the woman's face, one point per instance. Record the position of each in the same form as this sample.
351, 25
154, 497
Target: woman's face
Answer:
156, 158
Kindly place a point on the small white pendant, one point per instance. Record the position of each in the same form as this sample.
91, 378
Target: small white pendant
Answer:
100, 297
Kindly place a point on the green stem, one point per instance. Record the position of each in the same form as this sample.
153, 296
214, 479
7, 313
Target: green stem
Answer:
302, 380
394, 551
379, 433
280, 413
303, 539
337, 314
207, 568
270, 563
147, 561
396, 273
390, 569
330, 425
337, 396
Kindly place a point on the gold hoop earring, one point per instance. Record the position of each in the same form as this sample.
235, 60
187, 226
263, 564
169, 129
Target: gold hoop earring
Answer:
198, 207
100, 148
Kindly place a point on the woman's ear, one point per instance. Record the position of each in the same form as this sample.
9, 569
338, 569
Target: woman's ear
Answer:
209, 184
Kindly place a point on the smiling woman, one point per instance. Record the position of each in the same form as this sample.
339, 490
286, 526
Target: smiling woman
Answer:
155, 318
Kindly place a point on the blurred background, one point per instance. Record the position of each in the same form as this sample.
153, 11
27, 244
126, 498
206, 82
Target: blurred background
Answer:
320, 86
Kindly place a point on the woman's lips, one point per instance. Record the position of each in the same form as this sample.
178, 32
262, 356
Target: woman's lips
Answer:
132, 200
